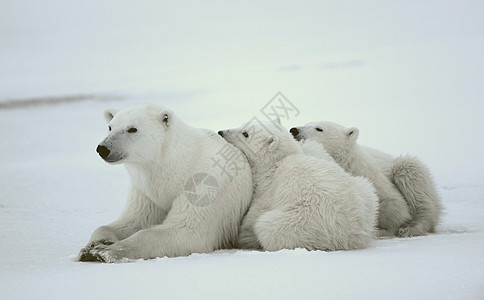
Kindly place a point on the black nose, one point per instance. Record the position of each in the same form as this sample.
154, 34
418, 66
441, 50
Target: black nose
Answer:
103, 151
221, 133
294, 131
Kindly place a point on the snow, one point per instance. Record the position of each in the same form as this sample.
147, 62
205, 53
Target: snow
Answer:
408, 74
55, 191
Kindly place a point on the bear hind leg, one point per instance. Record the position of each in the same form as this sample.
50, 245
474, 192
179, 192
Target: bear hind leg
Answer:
415, 183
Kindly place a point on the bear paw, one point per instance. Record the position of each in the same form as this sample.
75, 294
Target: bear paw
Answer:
114, 253
409, 231
84, 253
404, 232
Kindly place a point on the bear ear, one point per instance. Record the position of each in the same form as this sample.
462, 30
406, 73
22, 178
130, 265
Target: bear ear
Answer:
166, 117
352, 133
109, 114
272, 142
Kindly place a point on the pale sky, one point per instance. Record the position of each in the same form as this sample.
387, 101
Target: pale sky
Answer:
408, 73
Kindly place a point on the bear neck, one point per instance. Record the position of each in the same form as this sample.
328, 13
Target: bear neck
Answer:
344, 156
263, 170
262, 175
163, 177
354, 161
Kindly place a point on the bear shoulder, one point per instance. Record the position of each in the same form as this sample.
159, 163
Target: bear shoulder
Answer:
315, 149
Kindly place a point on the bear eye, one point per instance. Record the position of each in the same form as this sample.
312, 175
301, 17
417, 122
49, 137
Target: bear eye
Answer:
132, 130
109, 127
245, 134
319, 129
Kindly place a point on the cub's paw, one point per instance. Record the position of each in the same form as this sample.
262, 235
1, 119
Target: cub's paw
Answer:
85, 255
409, 231
404, 232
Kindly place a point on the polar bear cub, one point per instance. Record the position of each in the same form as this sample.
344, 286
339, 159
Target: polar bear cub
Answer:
179, 201
409, 202
300, 201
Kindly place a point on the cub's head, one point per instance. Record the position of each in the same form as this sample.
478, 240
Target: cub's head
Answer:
136, 134
262, 143
336, 139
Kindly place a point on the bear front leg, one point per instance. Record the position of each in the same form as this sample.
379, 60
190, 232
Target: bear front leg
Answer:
157, 241
186, 230
140, 213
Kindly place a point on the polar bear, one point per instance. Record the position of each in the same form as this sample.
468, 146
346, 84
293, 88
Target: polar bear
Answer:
409, 202
179, 201
300, 201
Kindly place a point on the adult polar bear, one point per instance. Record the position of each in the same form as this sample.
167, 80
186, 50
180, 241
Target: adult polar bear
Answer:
409, 202
162, 155
301, 201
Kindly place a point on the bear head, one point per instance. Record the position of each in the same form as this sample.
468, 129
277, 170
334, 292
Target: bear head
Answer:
136, 133
263, 143
336, 139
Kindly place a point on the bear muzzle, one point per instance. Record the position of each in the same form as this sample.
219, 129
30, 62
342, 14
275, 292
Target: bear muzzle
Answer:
109, 156
295, 133
103, 151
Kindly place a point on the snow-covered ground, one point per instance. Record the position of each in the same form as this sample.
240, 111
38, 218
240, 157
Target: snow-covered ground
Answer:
407, 73
55, 191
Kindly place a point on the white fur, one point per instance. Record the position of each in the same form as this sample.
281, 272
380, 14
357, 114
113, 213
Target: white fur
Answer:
158, 219
315, 149
300, 200
409, 203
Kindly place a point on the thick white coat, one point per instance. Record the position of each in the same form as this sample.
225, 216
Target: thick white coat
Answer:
161, 157
301, 201
409, 202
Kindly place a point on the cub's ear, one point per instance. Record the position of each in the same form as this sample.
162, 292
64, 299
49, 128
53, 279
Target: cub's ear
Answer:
272, 142
109, 114
352, 133
166, 117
